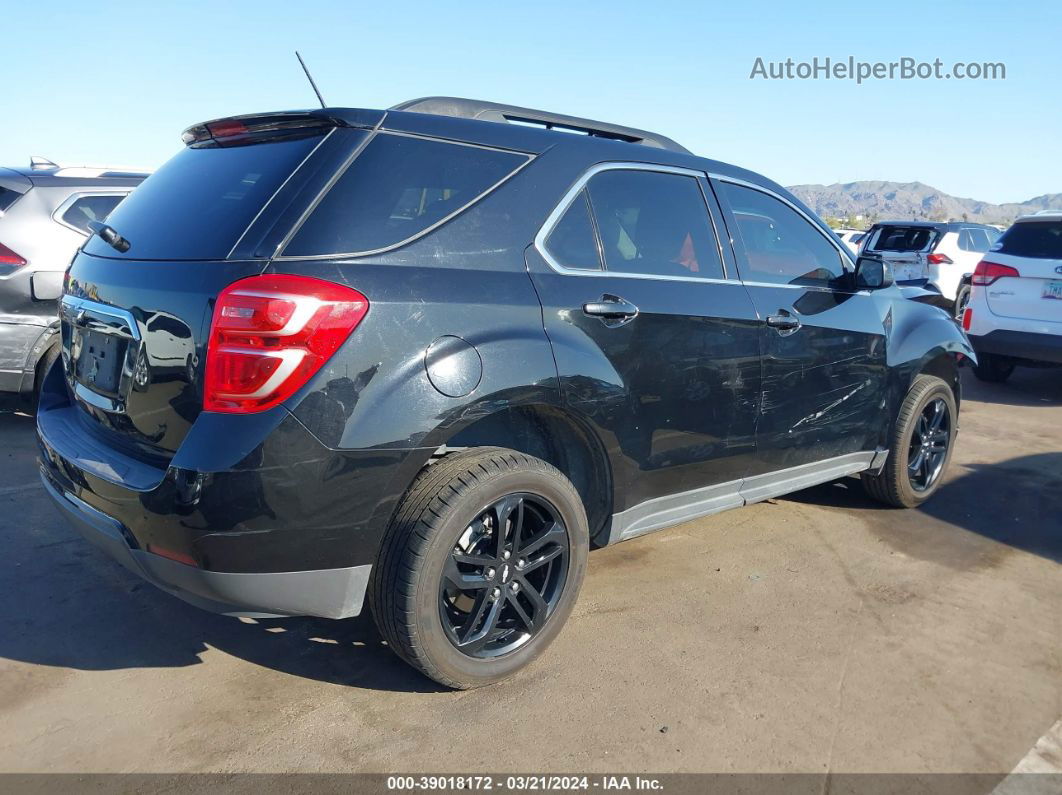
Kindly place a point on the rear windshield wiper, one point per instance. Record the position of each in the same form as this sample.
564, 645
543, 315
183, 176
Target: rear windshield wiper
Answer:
109, 236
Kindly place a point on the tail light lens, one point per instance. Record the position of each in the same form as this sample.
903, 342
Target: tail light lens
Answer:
987, 272
10, 261
939, 259
270, 335
967, 319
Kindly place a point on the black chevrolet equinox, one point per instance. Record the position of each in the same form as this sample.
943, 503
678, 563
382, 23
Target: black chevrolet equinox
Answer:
427, 357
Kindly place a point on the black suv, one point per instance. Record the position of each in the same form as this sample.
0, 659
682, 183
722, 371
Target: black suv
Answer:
439, 351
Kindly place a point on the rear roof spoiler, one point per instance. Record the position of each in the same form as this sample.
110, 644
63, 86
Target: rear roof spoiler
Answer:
496, 112
235, 128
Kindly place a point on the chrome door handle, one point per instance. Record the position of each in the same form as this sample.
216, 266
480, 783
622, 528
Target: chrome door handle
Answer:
612, 307
783, 321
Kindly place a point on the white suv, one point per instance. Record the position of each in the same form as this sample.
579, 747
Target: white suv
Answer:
1015, 311
939, 256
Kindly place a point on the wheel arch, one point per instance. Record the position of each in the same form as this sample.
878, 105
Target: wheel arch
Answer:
557, 436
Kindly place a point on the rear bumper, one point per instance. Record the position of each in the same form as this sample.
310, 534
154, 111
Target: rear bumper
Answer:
269, 520
1020, 345
328, 593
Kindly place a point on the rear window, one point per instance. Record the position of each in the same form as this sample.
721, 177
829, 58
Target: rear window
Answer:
903, 238
7, 197
202, 200
1038, 239
396, 189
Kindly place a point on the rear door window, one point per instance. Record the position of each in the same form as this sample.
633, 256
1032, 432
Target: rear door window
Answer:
86, 209
1037, 239
572, 243
397, 188
654, 224
201, 201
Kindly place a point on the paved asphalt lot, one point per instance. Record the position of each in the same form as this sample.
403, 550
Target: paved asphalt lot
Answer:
816, 632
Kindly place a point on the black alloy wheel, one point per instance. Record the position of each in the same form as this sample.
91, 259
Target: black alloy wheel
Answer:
928, 448
504, 576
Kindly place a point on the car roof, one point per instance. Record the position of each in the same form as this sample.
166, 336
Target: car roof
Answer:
602, 141
47, 174
939, 225
1043, 215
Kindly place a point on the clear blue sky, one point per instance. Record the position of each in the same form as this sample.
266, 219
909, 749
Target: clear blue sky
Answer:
116, 82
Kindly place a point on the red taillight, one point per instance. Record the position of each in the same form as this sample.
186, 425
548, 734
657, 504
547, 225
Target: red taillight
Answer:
10, 258
987, 272
270, 334
938, 259
967, 318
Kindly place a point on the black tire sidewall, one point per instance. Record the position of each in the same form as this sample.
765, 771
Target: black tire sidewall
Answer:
935, 388
436, 647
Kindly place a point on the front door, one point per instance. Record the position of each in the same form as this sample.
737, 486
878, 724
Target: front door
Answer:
824, 362
654, 345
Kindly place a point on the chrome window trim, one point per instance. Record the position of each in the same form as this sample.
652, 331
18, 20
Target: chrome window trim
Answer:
427, 230
573, 192
846, 255
276, 193
69, 201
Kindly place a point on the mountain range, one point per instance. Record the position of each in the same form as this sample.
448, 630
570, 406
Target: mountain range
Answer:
879, 200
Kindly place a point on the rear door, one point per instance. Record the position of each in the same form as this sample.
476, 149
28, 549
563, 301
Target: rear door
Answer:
824, 366
656, 344
1034, 249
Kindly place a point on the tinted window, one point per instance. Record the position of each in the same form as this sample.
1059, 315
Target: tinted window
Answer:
781, 245
395, 189
979, 241
964, 240
903, 238
7, 197
1040, 239
89, 208
654, 224
202, 200
572, 242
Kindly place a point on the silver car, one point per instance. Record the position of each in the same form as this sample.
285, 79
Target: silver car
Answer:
45, 211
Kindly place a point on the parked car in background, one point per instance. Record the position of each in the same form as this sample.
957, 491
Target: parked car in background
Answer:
938, 256
1014, 316
44, 215
851, 238
442, 353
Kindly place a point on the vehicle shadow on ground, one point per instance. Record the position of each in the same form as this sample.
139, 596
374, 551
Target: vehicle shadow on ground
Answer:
1027, 386
63, 603
1016, 502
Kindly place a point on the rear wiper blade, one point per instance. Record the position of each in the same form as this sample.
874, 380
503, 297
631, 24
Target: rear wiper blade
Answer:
109, 236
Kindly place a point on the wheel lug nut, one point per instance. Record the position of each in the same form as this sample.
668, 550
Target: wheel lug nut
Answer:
490, 574
521, 563
496, 593
514, 587
506, 555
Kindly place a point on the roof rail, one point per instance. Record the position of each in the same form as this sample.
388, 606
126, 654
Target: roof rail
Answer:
493, 111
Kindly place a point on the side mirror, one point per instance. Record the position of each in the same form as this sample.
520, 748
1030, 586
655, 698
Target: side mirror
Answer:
872, 273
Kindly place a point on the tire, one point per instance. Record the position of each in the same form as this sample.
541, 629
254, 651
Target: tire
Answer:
993, 368
445, 520
897, 485
962, 299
